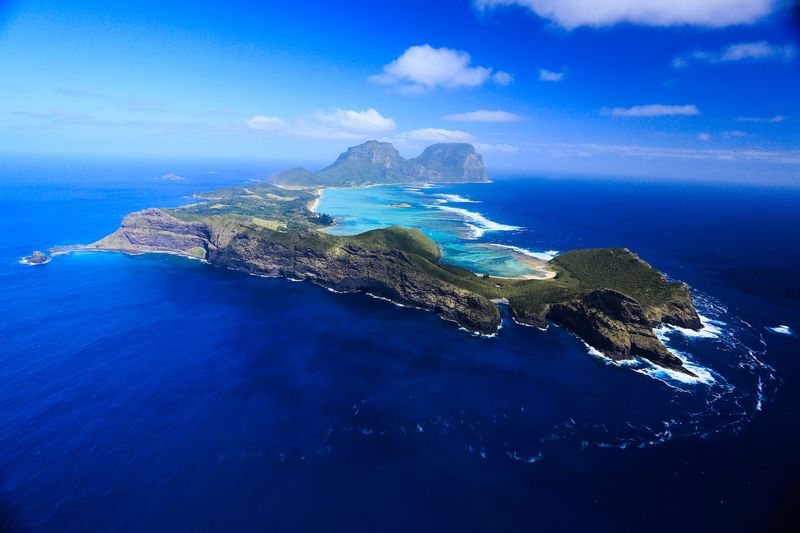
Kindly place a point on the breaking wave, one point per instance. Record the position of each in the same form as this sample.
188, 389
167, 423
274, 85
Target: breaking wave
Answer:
476, 223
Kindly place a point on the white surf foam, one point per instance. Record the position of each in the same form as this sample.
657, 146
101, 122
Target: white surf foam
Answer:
711, 329
455, 199
544, 256
781, 330
476, 222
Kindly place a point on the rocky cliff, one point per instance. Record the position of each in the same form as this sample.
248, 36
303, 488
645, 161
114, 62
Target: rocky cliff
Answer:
361, 263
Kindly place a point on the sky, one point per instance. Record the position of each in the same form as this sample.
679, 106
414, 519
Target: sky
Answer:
679, 89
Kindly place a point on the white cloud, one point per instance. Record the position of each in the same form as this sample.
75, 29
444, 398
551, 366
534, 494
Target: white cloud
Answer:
336, 124
424, 68
368, 121
573, 13
500, 148
551, 75
764, 120
751, 51
653, 110
735, 133
263, 123
728, 134
436, 135
502, 77
483, 115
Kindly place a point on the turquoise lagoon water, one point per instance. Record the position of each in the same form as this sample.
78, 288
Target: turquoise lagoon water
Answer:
466, 237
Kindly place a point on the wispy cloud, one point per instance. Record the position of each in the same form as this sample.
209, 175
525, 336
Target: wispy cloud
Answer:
653, 110
571, 14
496, 148
483, 115
787, 157
502, 78
764, 120
335, 124
129, 103
437, 135
265, 123
749, 51
423, 68
60, 118
727, 134
551, 75
368, 121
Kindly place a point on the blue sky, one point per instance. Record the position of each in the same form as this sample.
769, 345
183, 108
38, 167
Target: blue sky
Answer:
676, 89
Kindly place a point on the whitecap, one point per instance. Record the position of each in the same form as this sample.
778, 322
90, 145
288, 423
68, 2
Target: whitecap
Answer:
781, 330
523, 459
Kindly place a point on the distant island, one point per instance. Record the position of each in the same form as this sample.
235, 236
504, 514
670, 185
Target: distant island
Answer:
608, 297
169, 177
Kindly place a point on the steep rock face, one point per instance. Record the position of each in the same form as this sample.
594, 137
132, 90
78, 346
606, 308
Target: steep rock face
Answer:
450, 162
305, 255
371, 162
679, 312
154, 230
615, 324
388, 273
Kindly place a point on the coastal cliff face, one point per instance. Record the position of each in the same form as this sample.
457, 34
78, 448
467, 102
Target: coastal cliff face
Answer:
616, 325
346, 265
375, 162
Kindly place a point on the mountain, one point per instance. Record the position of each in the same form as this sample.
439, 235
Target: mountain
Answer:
368, 163
295, 176
375, 162
451, 162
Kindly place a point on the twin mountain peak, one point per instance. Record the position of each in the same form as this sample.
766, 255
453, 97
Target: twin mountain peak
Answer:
375, 162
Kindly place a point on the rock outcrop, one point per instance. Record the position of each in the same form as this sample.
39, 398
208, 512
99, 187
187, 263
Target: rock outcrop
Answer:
36, 258
616, 325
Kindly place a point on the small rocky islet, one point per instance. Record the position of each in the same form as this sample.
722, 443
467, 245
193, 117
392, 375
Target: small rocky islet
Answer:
608, 297
36, 258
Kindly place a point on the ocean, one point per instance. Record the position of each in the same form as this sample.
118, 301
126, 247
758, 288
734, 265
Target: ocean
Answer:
154, 392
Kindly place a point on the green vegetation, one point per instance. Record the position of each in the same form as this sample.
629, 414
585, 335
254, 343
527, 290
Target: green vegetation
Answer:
261, 204
618, 269
411, 241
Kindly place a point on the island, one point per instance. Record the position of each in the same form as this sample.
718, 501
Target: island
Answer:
36, 258
169, 177
610, 298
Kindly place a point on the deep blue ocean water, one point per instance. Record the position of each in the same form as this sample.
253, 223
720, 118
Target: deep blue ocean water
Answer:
158, 393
